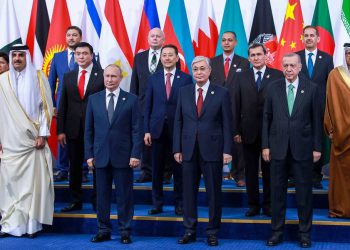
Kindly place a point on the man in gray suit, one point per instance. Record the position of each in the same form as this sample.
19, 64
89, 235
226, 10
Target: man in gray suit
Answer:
291, 136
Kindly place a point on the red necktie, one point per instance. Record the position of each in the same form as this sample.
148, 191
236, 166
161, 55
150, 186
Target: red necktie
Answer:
227, 66
168, 85
81, 84
199, 101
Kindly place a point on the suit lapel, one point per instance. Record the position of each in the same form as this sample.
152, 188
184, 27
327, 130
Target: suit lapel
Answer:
93, 76
299, 97
208, 97
102, 104
176, 83
251, 79
282, 94
122, 98
233, 67
74, 82
193, 100
266, 78
318, 62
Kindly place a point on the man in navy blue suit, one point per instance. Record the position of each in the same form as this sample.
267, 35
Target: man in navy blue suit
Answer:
202, 144
62, 62
291, 137
160, 106
113, 146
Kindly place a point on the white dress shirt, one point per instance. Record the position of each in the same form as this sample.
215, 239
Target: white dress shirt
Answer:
204, 92
115, 97
150, 55
295, 84
262, 72
313, 57
87, 75
171, 77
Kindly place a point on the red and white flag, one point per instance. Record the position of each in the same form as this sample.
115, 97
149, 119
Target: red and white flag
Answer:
206, 32
114, 42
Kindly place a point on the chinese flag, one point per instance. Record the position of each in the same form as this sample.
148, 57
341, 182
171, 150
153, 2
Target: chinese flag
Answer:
292, 31
56, 42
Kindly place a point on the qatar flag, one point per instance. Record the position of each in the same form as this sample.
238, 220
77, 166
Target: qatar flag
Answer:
206, 33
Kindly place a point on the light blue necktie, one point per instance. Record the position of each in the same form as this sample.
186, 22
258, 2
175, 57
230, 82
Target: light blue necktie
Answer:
71, 61
310, 64
290, 98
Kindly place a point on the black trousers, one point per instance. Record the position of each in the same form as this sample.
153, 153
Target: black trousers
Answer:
302, 171
252, 158
162, 156
123, 181
76, 160
238, 164
191, 174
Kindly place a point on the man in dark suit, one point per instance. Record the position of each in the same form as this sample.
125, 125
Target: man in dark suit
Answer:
316, 66
225, 69
160, 106
61, 63
145, 64
248, 96
291, 137
78, 85
202, 144
113, 146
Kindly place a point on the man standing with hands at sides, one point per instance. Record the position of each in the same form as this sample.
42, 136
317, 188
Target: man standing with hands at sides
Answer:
202, 144
4, 62
63, 62
145, 64
225, 69
248, 98
160, 106
291, 137
113, 146
316, 66
78, 85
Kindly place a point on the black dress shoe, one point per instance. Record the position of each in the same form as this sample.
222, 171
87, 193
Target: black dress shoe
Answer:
179, 211
144, 178
212, 240
187, 238
60, 177
155, 211
32, 236
273, 241
305, 243
72, 207
100, 237
252, 212
317, 185
125, 239
267, 211
4, 235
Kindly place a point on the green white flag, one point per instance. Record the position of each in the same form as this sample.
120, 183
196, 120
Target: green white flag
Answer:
342, 32
9, 26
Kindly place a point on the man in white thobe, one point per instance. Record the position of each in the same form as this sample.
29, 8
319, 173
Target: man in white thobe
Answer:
26, 186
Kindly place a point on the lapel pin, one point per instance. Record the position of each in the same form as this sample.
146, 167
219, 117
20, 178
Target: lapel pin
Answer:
124, 99
95, 74
212, 92
268, 76
234, 65
302, 91
178, 77
320, 57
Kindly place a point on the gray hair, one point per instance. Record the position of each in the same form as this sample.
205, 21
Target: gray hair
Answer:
292, 55
115, 66
200, 59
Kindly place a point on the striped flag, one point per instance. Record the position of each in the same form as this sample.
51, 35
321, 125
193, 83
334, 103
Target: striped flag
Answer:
149, 20
115, 40
206, 33
177, 32
38, 32
91, 24
342, 32
9, 26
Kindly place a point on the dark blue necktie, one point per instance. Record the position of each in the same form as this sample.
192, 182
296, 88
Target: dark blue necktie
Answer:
110, 108
310, 65
71, 61
258, 81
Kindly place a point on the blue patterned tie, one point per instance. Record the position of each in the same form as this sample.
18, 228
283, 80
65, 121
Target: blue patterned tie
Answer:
258, 80
71, 61
310, 64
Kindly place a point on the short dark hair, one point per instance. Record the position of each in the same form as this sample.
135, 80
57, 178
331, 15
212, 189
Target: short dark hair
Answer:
256, 45
85, 44
75, 28
172, 46
5, 56
311, 27
232, 32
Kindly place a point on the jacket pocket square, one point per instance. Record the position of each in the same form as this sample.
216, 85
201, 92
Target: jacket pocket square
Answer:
239, 70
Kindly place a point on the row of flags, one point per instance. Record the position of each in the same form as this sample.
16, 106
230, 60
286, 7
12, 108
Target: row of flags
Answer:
107, 32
